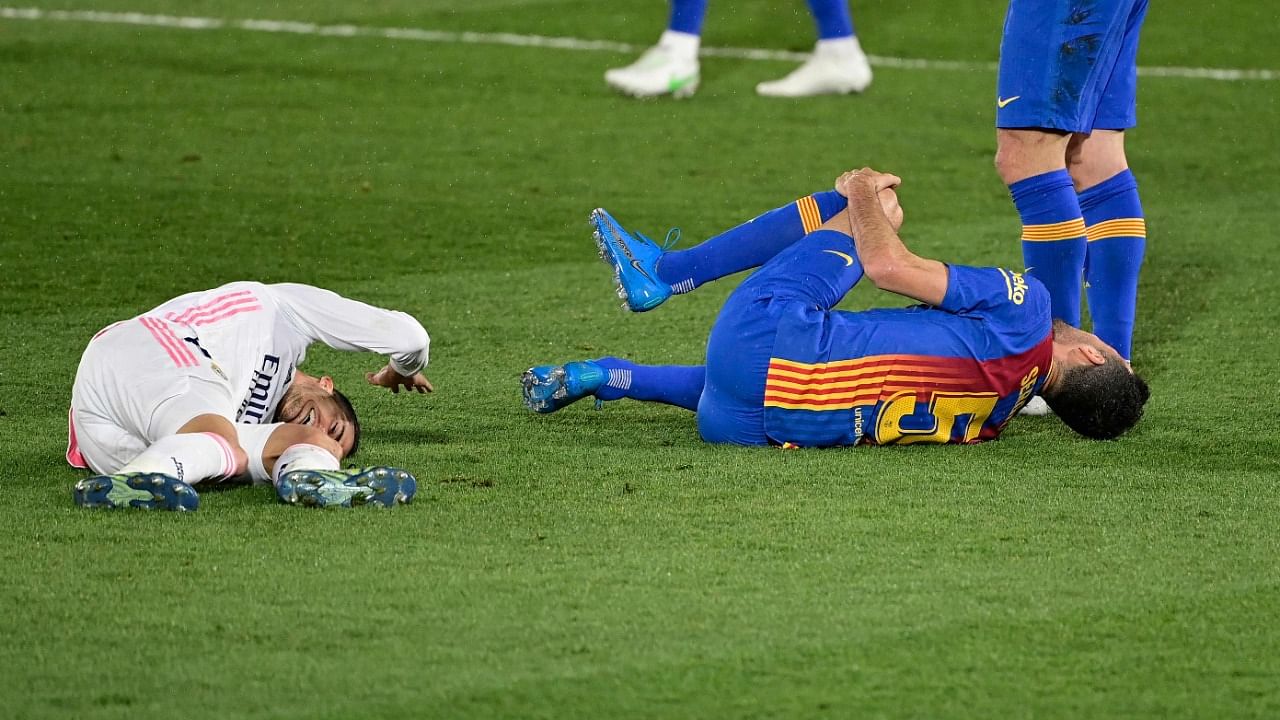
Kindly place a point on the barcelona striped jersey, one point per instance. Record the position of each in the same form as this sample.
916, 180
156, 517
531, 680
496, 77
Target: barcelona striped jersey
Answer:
954, 373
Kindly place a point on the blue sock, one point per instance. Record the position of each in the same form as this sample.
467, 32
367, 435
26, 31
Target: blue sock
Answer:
832, 17
686, 16
1117, 234
749, 245
679, 385
1053, 243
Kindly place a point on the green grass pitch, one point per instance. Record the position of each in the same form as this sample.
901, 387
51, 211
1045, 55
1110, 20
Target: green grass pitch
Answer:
608, 564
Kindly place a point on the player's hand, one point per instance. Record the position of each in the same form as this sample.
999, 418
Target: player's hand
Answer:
866, 189
875, 181
387, 377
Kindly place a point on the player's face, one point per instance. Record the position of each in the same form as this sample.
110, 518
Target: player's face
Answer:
309, 401
323, 412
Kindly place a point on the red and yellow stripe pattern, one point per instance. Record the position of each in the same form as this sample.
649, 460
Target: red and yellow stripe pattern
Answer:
1119, 227
1053, 232
843, 384
810, 216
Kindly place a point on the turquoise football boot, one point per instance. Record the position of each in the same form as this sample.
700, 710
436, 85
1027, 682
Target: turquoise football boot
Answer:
150, 491
634, 259
547, 388
383, 486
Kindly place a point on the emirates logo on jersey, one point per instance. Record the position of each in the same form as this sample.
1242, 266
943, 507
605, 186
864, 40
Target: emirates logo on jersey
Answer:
253, 409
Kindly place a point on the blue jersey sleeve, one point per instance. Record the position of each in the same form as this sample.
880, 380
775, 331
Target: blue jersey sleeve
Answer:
1016, 307
973, 290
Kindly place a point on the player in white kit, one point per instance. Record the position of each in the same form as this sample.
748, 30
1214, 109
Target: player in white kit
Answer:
206, 387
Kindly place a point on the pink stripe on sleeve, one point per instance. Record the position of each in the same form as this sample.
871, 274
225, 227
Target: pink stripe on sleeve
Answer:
227, 314
197, 318
197, 309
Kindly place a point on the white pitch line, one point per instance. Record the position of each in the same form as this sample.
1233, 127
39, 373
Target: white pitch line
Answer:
561, 43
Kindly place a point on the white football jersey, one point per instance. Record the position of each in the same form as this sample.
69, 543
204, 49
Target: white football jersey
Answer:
256, 335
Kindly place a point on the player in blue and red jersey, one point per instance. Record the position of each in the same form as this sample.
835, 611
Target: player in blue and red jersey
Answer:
784, 368
1066, 93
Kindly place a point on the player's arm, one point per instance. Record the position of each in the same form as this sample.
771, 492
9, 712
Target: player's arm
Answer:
885, 259
345, 324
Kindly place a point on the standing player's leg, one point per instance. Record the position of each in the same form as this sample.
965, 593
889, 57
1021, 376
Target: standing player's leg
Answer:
1032, 164
838, 64
671, 66
1117, 233
648, 274
1033, 129
1055, 62
1108, 192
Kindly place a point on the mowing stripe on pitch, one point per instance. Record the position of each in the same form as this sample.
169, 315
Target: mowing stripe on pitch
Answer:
561, 43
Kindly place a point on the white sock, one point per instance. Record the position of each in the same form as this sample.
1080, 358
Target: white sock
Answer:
839, 47
189, 457
304, 457
681, 44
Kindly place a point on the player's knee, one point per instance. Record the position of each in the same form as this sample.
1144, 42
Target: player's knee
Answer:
1089, 171
1012, 164
1012, 161
1021, 154
1002, 161
1091, 159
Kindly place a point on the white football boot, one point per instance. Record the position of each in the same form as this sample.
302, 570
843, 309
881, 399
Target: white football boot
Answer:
668, 68
836, 67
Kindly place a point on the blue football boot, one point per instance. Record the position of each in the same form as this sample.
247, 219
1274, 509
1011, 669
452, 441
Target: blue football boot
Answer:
384, 486
150, 491
634, 259
547, 388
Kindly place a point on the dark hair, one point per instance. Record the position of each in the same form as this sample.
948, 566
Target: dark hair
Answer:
345, 405
1099, 401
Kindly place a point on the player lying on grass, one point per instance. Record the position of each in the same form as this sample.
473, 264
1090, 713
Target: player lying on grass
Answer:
784, 368
206, 388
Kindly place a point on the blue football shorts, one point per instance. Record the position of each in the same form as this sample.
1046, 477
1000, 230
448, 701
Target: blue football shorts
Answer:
1069, 65
741, 343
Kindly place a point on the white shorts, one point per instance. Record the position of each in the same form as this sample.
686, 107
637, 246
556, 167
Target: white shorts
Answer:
139, 381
